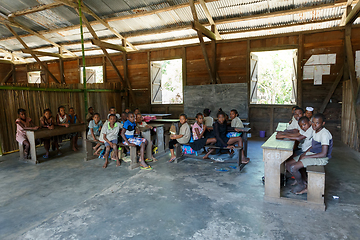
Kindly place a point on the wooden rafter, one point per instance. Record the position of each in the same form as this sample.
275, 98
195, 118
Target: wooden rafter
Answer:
126, 82
32, 54
353, 14
204, 31
38, 8
39, 53
202, 44
107, 45
210, 19
332, 90
87, 10
12, 22
7, 77
188, 26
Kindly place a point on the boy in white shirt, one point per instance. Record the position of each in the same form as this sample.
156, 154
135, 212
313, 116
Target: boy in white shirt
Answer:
294, 126
110, 135
318, 154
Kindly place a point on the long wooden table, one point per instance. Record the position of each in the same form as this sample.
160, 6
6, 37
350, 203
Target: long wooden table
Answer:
58, 130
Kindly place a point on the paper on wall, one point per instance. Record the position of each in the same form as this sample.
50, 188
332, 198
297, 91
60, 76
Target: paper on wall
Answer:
323, 59
331, 58
357, 56
318, 75
325, 69
308, 72
357, 69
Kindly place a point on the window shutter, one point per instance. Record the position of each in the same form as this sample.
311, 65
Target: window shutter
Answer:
294, 77
156, 90
253, 77
90, 76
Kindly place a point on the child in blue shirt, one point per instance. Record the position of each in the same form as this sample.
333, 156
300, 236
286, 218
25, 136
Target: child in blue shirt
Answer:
128, 135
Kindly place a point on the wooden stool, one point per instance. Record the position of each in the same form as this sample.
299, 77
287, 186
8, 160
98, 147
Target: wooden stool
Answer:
316, 184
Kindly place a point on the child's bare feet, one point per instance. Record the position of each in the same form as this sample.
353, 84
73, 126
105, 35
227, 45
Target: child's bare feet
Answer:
74, 149
294, 183
154, 159
106, 164
302, 191
118, 163
245, 160
95, 148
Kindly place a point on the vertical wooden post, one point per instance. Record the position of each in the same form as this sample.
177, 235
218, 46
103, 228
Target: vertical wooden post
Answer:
14, 73
248, 80
184, 68
271, 120
213, 48
299, 70
149, 77
104, 70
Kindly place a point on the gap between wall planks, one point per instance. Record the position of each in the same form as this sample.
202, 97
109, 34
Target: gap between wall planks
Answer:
36, 101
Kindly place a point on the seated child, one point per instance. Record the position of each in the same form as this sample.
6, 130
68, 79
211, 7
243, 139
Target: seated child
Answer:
112, 110
123, 118
128, 135
127, 110
309, 112
140, 123
90, 114
73, 119
47, 121
221, 129
198, 130
136, 111
110, 135
183, 137
62, 119
304, 135
294, 126
95, 126
318, 154
208, 121
24, 123
292, 112
235, 123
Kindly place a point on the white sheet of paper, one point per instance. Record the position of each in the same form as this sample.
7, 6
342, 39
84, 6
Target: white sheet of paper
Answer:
325, 69
310, 60
331, 58
357, 69
318, 75
323, 59
308, 72
357, 56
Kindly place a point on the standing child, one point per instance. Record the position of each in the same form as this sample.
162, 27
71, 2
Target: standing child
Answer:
95, 126
24, 123
140, 123
309, 112
198, 130
221, 129
318, 154
183, 137
208, 121
73, 119
90, 114
129, 139
47, 121
235, 123
110, 135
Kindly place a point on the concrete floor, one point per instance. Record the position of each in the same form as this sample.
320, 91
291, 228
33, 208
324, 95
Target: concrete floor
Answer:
67, 198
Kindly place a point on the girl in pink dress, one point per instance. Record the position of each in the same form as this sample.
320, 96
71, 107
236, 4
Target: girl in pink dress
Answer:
24, 123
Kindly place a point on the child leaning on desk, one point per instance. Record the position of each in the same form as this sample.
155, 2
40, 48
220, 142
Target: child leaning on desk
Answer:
318, 154
47, 121
24, 123
236, 123
183, 137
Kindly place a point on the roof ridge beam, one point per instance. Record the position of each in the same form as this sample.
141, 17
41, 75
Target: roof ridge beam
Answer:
38, 8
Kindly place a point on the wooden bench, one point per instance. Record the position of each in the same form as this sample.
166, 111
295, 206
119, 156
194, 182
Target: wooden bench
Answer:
316, 184
179, 155
133, 156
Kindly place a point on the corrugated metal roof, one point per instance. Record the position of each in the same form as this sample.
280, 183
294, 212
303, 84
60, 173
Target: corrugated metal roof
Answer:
177, 19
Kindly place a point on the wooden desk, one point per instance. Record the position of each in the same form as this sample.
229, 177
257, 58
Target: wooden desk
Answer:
282, 127
159, 136
275, 152
157, 115
166, 126
58, 130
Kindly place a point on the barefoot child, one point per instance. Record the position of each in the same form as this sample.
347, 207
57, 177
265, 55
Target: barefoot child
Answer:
110, 135
183, 137
198, 130
95, 126
47, 121
129, 139
24, 123
221, 129
318, 154
140, 123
